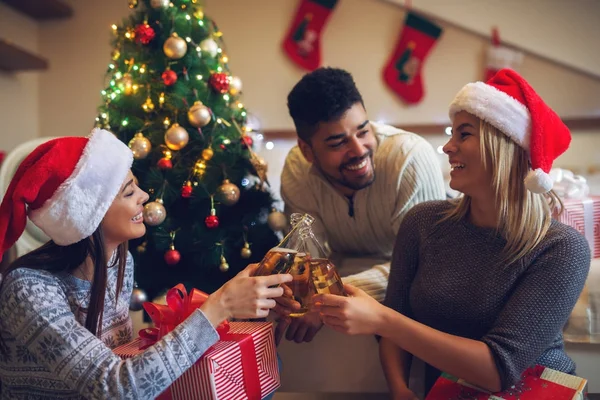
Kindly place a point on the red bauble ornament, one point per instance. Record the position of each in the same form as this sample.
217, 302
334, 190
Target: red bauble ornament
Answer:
212, 221
247, 141
219, 82
172, 256
144, 33
165, 163
186, 191
169, 77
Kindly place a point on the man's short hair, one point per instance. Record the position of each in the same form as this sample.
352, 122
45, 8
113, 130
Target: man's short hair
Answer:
323, 95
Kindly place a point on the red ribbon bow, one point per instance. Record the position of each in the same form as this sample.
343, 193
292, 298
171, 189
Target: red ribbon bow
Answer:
179, 306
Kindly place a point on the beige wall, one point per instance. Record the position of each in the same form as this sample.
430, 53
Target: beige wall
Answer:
360, 37
19, 110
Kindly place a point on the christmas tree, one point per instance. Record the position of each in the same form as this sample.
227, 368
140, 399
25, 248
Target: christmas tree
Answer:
171, 97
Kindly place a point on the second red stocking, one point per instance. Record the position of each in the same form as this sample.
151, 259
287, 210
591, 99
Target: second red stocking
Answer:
303, 40
403, 71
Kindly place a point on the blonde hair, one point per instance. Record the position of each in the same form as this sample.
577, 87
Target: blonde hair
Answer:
523, 217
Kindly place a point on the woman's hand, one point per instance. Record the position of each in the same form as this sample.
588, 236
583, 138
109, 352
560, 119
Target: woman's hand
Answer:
358, 314
244, 296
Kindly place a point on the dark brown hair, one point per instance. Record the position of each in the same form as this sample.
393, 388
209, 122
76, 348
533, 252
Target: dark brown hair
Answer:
56, 259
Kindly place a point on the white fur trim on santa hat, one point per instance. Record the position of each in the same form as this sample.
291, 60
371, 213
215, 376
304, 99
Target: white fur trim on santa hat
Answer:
497, 108
537, 181
79, 204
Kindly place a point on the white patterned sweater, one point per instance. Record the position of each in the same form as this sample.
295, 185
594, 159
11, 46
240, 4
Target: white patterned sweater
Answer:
52, 356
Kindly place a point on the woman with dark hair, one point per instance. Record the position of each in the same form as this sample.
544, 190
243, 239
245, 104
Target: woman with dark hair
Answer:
64, 306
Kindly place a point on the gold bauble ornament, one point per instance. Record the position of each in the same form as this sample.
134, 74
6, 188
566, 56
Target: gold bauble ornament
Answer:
207, 153
140, 146
246, 252
159, 3
175, 47
235, 85
176, 137
154, 213
199, 115
224, 267
209, 46
228, 193
115, 54
133, 4
277, 220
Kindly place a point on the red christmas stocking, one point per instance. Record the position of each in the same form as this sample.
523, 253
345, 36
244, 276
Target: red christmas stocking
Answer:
499, 57
303, 42
403, 71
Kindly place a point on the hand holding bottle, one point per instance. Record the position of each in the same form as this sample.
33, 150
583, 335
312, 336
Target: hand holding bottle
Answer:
358, 314
245, 296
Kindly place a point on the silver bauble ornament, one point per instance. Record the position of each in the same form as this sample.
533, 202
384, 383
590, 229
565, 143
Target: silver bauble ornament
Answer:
209, 46
176, 137
140, 146
228, 193
235, 85
138, 298
175, 47
159, 3
199, 115
154, 213
277, 220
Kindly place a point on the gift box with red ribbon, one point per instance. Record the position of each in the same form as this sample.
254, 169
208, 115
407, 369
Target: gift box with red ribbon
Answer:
537, 383
242, 365
584, 215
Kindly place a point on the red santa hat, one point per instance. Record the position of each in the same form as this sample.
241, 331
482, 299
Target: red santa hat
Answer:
510, 104
65, 186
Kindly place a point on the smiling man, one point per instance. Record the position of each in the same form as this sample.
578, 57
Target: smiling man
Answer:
357, 178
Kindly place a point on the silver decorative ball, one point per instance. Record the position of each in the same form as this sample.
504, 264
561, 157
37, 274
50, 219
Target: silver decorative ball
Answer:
235, 85
175, 47
159, 3
154, 213
176, 137
140, 146
277, 220
209, 46
228, 193
138, 298
199, 115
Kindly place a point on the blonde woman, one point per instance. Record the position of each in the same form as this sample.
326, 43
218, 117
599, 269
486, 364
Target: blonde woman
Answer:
480, 287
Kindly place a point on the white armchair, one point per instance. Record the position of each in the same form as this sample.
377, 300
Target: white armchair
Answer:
33, 237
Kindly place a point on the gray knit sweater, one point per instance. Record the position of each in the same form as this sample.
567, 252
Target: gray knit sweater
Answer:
52, 356
448, 276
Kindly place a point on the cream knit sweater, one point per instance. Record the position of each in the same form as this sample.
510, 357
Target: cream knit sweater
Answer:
407, 172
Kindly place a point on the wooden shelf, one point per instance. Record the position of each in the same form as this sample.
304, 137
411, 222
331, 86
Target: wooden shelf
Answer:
14, 58
42, 10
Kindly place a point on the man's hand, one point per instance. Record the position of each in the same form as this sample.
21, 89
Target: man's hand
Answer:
286, 303
304, 329
406, 394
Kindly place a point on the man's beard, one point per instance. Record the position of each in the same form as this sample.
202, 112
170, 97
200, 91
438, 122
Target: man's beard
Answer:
343, 181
